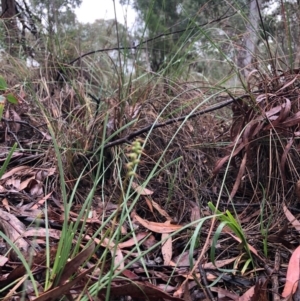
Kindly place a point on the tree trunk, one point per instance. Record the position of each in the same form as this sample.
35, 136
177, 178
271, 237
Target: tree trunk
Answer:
9, 15
297, 23
247, 53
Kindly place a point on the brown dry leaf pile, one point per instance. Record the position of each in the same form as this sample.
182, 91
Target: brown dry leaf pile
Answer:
262, 154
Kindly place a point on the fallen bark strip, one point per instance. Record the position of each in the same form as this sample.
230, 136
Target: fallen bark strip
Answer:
171, 121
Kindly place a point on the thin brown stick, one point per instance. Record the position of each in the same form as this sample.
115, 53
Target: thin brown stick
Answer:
24, 123
9, 131
170, 121
204, 280
275, 282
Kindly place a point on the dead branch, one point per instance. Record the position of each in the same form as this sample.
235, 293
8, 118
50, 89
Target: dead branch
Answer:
171, 121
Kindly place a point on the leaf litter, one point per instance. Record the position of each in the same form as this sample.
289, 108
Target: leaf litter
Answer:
261, 162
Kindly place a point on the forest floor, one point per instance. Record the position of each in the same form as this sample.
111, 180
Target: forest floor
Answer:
173, 193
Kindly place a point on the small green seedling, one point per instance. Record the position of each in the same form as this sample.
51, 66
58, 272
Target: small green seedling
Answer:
228, 220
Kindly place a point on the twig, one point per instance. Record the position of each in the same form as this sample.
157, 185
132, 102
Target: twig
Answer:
13, 134
170, 121
204, 280
275, 282
24, 123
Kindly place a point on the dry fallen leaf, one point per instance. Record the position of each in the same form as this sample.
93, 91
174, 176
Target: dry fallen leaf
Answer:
133, 241
129, 274
14, 171
42, 200
251, 248
247, 296
195, 212
42, 174
150, 242
149, 204
42, 232
25, 183
156, 227
141, 290
13, 183
63, 289
5, 204
218, 263
35, 188
161, 211
258, 292
73, 265
12, 227
3, 260
183, 259
297, 190
13, 115
293, 274
166, 248
141, 190
118, 261
166, 287
291, 218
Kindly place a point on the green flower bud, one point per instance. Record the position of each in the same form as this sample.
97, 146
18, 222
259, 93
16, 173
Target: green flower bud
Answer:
132, 156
